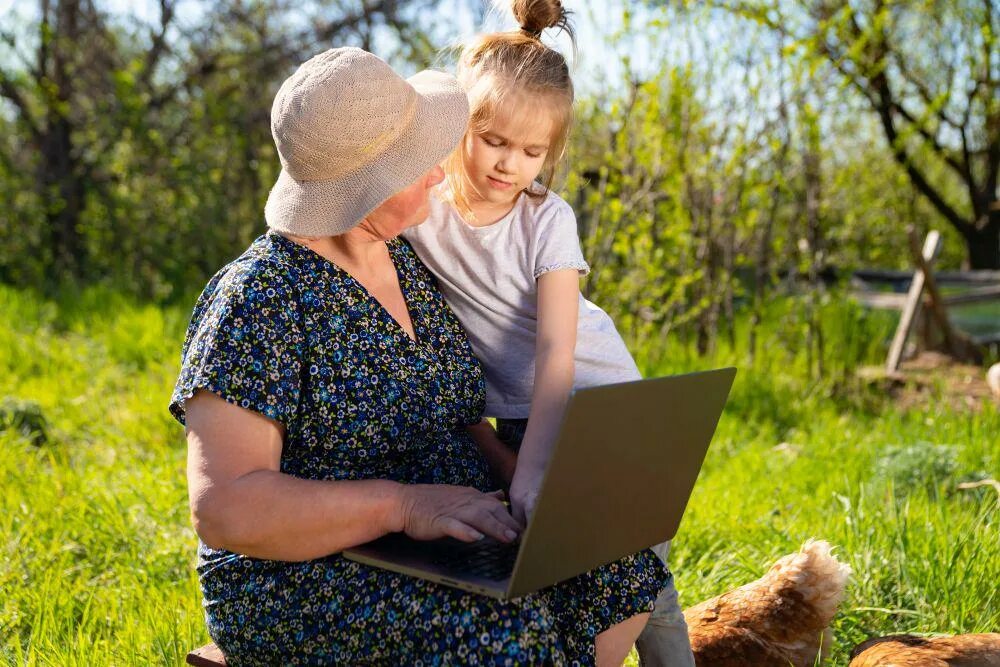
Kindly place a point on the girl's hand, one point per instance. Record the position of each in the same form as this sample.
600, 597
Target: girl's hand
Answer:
432, 511
523, 495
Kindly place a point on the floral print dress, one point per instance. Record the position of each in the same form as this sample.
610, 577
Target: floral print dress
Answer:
283, 332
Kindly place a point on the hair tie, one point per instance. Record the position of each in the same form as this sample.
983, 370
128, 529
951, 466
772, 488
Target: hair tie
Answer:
537, 34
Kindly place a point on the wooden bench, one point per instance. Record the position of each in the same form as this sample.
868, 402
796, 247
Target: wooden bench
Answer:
207, 656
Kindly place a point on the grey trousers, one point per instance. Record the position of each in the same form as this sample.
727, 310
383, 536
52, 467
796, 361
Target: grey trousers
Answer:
664, 641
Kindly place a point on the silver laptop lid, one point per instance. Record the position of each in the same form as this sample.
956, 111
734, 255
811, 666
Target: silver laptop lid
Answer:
621, 474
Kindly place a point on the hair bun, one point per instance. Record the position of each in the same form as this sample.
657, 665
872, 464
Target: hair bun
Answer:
534, 16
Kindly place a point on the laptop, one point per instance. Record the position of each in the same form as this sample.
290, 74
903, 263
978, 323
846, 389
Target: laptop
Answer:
621, 473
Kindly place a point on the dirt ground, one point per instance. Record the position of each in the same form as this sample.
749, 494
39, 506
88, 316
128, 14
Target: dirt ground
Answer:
932, 377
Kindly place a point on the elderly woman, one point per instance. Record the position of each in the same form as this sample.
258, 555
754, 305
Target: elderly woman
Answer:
327, 392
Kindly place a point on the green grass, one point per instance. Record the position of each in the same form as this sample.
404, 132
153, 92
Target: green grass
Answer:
98, 553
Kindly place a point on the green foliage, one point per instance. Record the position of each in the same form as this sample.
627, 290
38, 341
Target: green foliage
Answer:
700, 176
98, 563
143, 164
923, 70
685, 214
920, 464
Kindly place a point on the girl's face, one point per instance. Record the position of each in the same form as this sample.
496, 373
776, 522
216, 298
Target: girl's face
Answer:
504, 159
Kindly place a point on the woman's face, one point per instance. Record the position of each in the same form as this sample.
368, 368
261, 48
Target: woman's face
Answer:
404, 209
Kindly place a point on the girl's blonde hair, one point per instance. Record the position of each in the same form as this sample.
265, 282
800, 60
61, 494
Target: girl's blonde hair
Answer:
499, 69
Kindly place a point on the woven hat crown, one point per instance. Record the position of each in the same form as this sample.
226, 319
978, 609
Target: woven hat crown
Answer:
351, 133
337, 113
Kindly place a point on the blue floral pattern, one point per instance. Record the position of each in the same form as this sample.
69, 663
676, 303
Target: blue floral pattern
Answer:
285, 333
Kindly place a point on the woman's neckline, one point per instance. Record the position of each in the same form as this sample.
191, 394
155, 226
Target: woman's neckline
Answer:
393, 246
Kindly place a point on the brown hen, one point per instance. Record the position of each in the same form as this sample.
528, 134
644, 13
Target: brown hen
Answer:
911, 651
781, 619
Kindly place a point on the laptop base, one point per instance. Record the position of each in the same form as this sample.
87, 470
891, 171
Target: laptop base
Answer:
427, 560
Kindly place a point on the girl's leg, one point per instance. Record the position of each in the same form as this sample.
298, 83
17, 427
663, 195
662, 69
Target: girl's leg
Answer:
613, 645
664, 641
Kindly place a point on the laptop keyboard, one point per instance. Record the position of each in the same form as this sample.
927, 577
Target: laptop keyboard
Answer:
486, 558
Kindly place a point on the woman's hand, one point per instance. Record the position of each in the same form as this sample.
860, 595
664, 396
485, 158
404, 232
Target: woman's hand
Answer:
431, 511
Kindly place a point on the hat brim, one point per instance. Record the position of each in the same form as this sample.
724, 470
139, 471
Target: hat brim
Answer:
331, 207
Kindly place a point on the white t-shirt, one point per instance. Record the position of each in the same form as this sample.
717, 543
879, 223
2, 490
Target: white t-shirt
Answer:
489, 276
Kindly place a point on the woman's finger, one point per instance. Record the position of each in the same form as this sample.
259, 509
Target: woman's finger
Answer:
501, 512
460, 530
482, 519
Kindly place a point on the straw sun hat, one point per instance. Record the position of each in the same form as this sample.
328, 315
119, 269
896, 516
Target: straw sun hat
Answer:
351, 133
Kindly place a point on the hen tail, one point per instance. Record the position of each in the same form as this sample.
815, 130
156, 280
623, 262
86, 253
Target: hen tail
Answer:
787, 611
816, 575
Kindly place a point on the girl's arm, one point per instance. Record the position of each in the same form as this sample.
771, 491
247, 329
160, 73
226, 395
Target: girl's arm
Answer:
558, 311
240, 501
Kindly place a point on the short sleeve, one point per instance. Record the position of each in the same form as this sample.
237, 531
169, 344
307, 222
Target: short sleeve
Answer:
557, 242
245, 344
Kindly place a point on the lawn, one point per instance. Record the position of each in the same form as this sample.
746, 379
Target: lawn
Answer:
98, 551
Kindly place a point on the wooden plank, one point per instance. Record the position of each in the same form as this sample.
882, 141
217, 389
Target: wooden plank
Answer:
896, 300
987, 339
989, 293
932, 246
883, 300
207, 656
943, 277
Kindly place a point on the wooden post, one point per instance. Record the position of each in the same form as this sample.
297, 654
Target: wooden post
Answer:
958, 344
932, 246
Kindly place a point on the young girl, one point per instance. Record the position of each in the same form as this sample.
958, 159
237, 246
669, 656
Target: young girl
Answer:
507, 257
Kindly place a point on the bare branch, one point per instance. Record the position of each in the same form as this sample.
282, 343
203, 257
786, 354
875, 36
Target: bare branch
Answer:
903, 157
11, 92
10, 40
387, 8
873, 81
44, 35
964, 167
159, 43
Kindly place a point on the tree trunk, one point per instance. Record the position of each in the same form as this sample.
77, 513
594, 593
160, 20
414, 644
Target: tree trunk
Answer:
63, 191
708, 320
813, 175
63, 188
984, 244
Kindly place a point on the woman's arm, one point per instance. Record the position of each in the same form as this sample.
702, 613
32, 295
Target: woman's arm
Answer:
558, 311
241, 502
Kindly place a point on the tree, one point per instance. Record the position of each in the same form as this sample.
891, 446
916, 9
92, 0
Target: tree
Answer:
44, 95
930, 72
138, 131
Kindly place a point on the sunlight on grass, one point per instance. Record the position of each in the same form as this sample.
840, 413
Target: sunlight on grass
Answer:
98, 554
